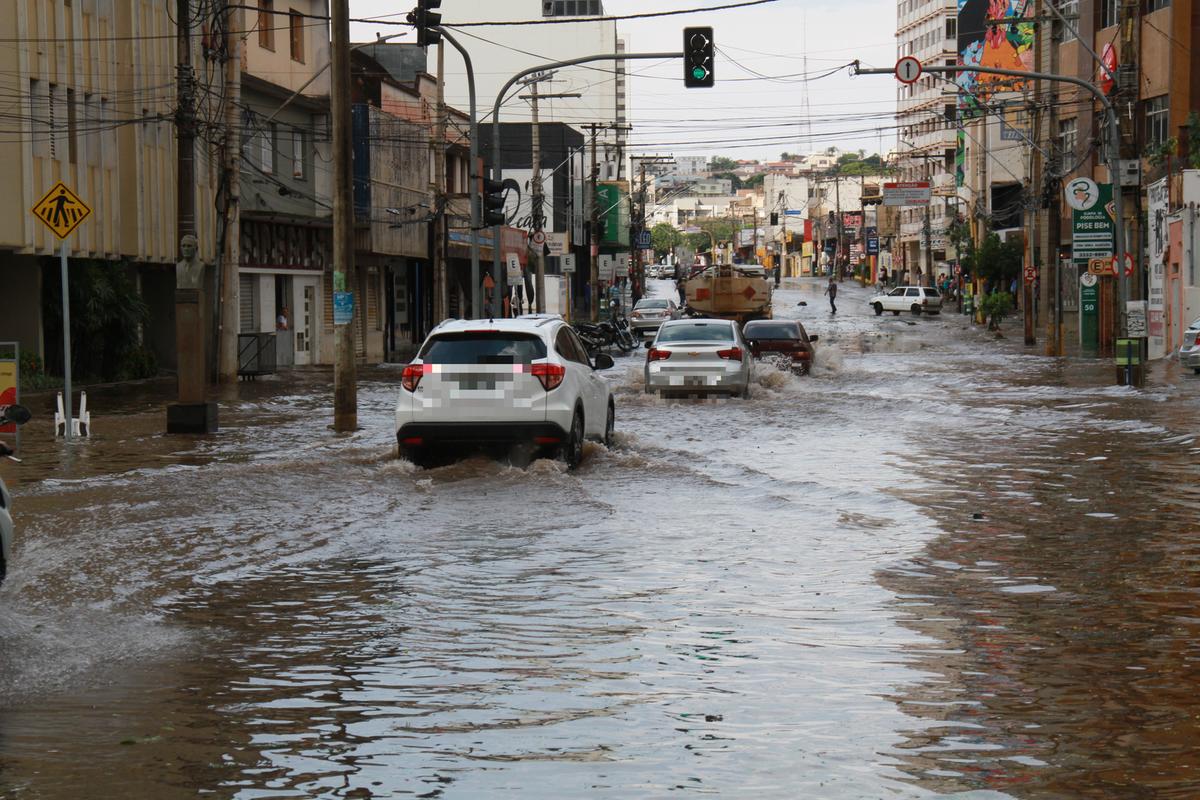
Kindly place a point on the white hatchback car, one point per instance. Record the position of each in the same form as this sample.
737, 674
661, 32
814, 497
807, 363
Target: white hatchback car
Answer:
525, 381
699, 356
1189, 351
917, 299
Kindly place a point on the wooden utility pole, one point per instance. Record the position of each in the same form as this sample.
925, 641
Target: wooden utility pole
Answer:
594, 214
1027, 285
441, 289
185, 127
537, 199
227, 280
345, 385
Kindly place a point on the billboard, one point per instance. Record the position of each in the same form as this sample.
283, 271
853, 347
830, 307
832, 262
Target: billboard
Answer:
612, 200
519, 210
1007, 45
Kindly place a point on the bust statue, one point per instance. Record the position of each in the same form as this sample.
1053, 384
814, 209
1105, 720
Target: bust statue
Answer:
189, 270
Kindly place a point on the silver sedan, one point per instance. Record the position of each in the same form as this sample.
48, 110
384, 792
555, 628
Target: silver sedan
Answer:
699, 356
650, 313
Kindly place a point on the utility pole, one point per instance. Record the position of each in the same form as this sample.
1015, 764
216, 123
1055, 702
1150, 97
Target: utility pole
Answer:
594, 215
1027, 285
537, 199
837, 195
227, 279
345, 385
1130, 28
537, 193
185, 118
441, 290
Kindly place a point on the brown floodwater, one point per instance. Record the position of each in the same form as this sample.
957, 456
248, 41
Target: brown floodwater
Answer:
941, 565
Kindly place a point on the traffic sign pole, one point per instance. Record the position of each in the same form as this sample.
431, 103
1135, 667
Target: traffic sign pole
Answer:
66, 315
62, 211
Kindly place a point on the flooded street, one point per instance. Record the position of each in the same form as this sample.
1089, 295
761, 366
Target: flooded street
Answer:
941, 565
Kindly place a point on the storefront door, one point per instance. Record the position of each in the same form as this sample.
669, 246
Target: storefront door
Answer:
305, 303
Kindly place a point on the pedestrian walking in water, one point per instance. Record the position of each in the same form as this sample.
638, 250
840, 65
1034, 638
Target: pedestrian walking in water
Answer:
831, 290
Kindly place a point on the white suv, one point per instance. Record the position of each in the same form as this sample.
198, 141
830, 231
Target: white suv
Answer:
917, 299
523, 381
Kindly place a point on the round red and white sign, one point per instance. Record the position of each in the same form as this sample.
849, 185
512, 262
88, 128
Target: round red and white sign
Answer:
538, 237
908, 69
1115, 271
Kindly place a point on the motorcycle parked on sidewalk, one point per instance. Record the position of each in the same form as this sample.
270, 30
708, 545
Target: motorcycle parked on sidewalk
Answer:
625, 339
17, 415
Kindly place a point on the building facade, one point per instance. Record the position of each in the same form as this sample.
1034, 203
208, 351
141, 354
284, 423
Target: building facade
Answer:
926, 114
97, 115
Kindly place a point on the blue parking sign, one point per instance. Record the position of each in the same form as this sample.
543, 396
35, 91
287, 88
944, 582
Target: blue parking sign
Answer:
343, 308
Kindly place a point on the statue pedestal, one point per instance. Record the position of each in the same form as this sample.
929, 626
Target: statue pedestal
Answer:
192, 418
192, 414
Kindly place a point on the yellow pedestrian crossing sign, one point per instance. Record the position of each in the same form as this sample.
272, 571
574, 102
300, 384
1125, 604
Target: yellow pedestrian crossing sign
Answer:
61, 210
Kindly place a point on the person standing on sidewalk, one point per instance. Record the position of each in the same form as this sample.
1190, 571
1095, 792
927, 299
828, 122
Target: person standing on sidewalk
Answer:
831, 290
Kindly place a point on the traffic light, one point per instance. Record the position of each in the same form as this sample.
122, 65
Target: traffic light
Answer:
698, 58
774, 217
425, 20
493, 203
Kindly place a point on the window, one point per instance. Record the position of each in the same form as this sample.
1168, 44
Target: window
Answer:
39, 128
1070, 10
483, 348
299, 152
565, 345
266, 24
1068, 140
267, 143
1155, 5
296, 29
1109, 12
1156, 120
952, 29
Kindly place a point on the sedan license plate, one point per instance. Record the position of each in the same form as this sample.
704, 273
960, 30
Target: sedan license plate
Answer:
694, 380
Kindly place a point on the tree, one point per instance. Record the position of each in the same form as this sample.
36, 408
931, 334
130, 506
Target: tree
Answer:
754, 181
722, 229
995, 261
664, 238
721, 163
995, 307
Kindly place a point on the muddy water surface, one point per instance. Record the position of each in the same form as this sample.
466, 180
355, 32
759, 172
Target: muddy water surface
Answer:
939, 566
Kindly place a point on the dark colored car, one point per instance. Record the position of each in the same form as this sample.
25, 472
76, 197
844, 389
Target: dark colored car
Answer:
781, 339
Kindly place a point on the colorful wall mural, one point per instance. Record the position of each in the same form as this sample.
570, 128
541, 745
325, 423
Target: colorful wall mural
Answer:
1005, 45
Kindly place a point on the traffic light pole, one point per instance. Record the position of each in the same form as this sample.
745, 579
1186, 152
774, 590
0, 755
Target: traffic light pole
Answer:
497, 166
476, 198
1114, 150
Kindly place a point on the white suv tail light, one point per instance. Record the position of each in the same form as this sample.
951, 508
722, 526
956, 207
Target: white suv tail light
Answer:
550, 375
411, 377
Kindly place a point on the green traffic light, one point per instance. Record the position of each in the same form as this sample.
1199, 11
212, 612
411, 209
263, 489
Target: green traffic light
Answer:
698, 73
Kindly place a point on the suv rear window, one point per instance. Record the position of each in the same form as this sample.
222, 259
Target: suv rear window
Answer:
697, 332
501, 347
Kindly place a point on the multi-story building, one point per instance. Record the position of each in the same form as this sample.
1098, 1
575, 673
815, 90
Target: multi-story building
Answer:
1156, 87
284, 248
926, 114
90, 94
499, 52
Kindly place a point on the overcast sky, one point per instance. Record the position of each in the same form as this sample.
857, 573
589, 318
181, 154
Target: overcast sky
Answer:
744, 115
